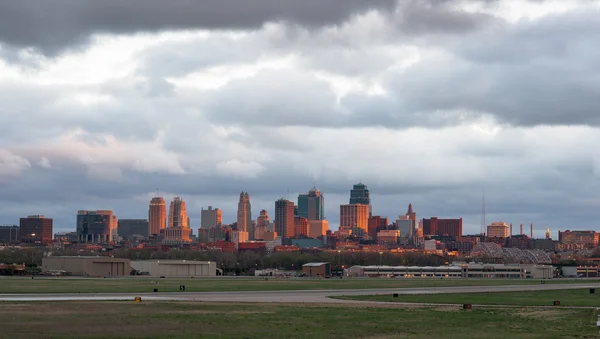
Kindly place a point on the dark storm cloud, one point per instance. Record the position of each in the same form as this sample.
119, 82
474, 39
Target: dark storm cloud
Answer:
53, 25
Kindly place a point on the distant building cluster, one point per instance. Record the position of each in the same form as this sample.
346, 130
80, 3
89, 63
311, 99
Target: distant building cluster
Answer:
296, 225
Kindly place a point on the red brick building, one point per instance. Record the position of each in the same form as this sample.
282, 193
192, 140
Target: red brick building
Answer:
442, 227
36, 229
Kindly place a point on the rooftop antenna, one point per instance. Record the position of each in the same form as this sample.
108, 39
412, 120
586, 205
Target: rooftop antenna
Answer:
483, 213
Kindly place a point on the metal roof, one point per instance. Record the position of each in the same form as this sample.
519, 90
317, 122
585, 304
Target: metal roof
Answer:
315, 264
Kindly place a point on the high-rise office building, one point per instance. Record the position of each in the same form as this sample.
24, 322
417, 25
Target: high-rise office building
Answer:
317, 228
284, 218
157, 215
36, 229
179, 230
311, 205
96, 226
131, 228
443, 227
301, 227
9, 234
355, 217
262, 223
244, 215
210, 217
376, 224
497, 229
412, 215
360, 195
178, 214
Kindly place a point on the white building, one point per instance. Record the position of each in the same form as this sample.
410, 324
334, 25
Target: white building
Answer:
430, 245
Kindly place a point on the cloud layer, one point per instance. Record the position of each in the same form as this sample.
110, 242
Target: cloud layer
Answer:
429, 104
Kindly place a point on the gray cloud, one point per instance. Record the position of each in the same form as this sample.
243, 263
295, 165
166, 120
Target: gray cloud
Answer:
471, 111
54, 25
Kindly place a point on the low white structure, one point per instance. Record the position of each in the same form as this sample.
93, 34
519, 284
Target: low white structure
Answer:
471, 270
175, 268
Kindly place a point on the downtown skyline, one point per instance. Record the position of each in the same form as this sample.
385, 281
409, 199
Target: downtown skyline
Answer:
428, 105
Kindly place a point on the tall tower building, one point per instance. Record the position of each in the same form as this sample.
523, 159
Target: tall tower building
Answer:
244, 215
360, 195
355, 217
412, 215
210, 217
178, 214
311, 205
157, 215
284, 218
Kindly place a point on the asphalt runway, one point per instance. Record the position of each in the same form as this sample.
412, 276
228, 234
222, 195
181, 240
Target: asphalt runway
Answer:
304, 296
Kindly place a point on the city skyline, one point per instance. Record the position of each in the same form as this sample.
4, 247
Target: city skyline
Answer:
333, 224
426, 102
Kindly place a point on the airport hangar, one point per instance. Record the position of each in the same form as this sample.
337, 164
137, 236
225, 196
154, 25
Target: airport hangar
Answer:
99, 266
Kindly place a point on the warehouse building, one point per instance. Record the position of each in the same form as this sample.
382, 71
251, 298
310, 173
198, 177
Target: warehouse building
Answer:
88, 266
471, 270
175, 268
317, 269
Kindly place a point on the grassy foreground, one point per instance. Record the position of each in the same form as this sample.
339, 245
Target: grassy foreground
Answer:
116, 285
193, 320
575, 297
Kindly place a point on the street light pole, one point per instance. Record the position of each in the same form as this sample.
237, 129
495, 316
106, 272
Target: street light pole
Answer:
32, 249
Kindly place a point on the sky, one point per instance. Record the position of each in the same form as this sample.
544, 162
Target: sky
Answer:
103, 104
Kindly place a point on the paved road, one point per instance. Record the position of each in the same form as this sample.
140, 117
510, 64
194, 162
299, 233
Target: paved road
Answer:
310, 296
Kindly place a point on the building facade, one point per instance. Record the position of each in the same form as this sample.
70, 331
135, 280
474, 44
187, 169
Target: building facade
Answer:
442, 227
178, 213
311, 205
36, 229
210, 217
588, 238
96, 226
244, 215
497, 229
284, 218
359, 194
317, 228
354, 216
9, 234
301, 227
157, 215
132, 228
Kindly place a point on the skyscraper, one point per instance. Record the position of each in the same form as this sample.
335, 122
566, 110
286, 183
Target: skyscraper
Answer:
178, 213
210, 217
96, 226
360, 195
244, 215
284, 218
157, 215
36, 229
311, 205
179, 230
301, 227
355, 217
412, 215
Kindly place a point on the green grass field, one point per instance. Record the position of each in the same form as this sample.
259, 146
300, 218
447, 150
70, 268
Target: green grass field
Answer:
114, 285
575, 297
206, 320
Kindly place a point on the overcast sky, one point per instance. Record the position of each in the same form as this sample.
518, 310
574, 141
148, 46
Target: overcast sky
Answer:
432, 102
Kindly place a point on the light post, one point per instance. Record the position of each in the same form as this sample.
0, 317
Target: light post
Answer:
339, 259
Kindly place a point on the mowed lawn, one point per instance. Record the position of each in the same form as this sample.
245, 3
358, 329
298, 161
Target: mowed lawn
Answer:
574, 297
225, 284
207, 320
